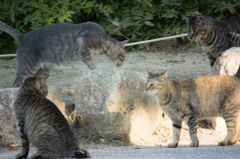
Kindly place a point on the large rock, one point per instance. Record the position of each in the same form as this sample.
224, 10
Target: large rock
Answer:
9, 132
228, 63
113, 103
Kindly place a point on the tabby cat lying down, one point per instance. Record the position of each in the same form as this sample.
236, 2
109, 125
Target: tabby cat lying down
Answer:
43, 125
60, 42
212, 34
198, 98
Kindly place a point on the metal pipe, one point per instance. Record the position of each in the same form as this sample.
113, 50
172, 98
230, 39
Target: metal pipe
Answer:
154, 40
128, 44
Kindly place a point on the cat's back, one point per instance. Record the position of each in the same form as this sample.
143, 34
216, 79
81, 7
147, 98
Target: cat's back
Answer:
53, 30
46, 115
232, 24
91, 26
44, 124
61, 29
213, 84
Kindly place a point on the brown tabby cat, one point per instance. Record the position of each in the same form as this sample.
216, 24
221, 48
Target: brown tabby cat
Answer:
198, 98
212, 34
43, 125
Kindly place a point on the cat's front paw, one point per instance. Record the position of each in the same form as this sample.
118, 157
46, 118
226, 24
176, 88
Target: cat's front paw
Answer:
85, 154
81, 154
37, 156
194, 144
223, 143
21, 155
172, 145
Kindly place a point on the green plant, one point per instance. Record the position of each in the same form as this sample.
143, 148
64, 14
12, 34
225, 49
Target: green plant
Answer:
73, 117
136, 20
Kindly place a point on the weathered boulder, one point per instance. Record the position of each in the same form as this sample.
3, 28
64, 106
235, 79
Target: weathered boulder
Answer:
8, 124
228, 63
55, 97
114, 104
9, 132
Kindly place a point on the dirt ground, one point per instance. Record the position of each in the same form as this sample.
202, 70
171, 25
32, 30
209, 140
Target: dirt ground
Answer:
180, 64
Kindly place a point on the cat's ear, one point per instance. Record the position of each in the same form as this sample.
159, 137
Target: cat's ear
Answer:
148, 72
44, 78
24, 78
186, 18
200, 20
38, 83
164, 75
123, 43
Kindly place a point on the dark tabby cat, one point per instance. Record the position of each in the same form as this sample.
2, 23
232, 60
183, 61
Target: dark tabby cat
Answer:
212, 34
235, 38
60, 42
42, 124
198, 98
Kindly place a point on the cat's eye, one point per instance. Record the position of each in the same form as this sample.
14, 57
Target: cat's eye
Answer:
151, 85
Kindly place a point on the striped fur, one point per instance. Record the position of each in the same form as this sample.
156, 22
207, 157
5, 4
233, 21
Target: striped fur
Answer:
61, 42
203, 97
211, 34
234, 37
42, 124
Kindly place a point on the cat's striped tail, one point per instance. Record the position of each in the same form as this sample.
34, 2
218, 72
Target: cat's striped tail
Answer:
234, 37
6, 28
238, 72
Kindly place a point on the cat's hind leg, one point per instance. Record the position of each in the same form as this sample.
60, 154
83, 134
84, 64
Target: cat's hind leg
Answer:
25, 143
231, 117
26, 67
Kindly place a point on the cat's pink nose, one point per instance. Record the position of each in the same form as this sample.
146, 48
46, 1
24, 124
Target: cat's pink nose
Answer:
146, 89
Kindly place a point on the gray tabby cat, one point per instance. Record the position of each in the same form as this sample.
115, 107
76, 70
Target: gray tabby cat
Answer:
212, 34
198, 98
42, 124
60, 42
235, 38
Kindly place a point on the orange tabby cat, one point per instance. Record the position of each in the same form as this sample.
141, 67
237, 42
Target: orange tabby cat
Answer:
198, 98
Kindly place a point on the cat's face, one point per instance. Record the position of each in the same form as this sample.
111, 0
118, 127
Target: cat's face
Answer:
197, 27
35, 83
156, 83
116, 53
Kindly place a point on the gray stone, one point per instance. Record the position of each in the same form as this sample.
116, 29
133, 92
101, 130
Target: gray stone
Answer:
8, 124
68, 97
9, 132
228, 63
55, 97
114, 104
